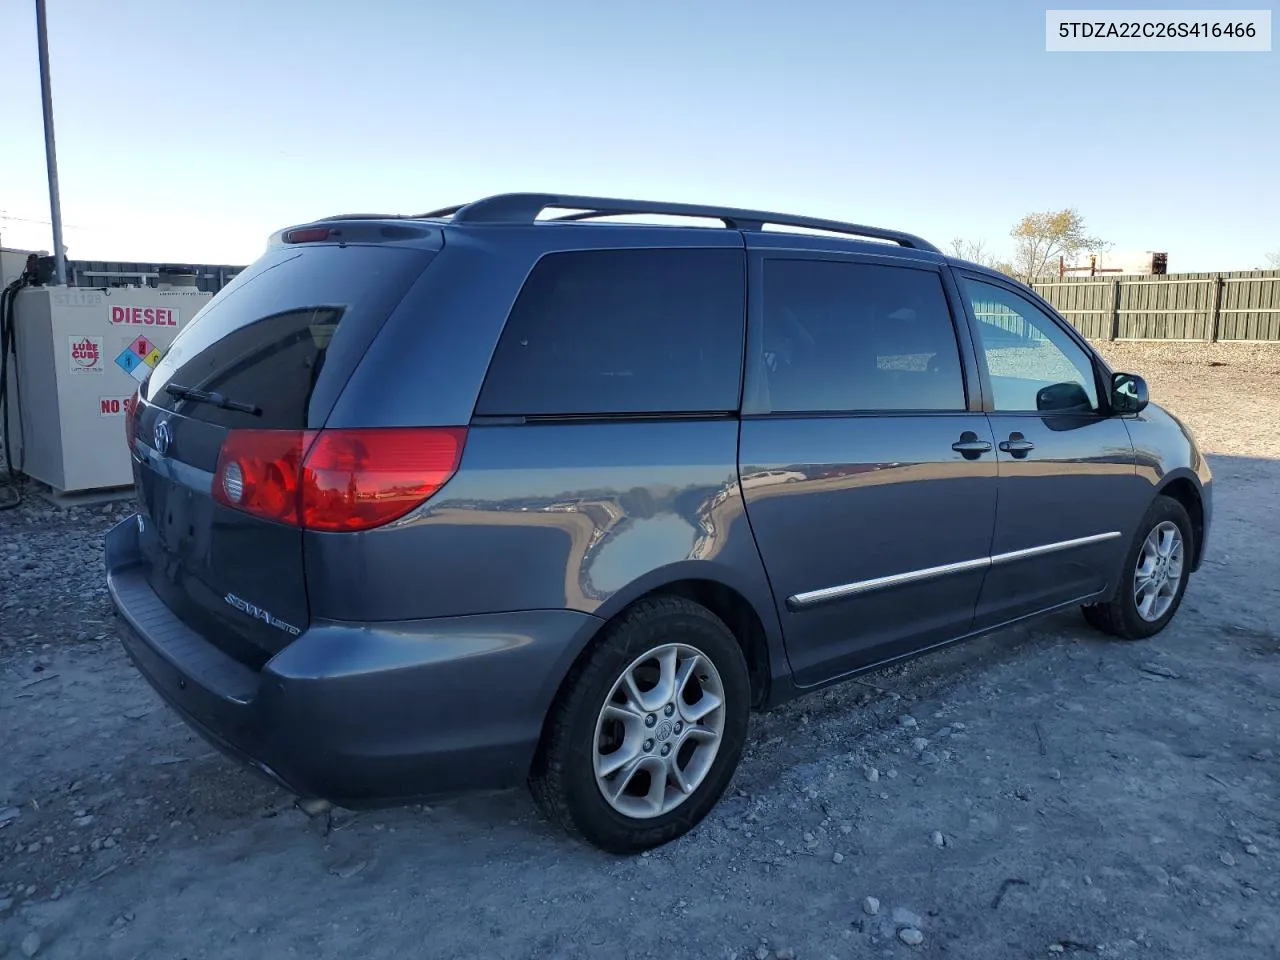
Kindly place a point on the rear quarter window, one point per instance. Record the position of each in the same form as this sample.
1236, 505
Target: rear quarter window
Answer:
622, 332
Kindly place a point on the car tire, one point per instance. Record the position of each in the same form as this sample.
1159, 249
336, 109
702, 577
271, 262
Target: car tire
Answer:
598, 723
1126, 615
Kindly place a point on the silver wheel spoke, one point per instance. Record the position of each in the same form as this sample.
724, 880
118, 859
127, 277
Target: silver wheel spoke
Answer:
657, 795
663, 691
634, 697
626, 715
685, 672
668, 667
678, 777
707, 703
632, 723
702, 735
611, 763
625, 776
1146, 599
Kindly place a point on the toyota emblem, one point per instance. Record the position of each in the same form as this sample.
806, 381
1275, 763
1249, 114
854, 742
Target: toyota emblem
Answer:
163, 437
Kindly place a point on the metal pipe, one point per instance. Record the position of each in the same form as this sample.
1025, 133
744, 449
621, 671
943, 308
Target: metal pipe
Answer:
50, 152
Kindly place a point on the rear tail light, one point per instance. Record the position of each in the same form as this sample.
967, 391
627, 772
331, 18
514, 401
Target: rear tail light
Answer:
335, 480
130, 419
259, 472
357, 479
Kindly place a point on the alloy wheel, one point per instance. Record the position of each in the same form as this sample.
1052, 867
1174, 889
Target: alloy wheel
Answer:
1158, 573
659, 730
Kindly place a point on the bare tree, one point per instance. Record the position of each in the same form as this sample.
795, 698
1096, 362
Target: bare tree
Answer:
975, 251
1273, 260
1041, 238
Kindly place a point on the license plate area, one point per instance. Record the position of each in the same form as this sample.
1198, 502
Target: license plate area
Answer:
176, 520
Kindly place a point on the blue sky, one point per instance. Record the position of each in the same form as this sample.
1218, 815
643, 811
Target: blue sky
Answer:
190, 132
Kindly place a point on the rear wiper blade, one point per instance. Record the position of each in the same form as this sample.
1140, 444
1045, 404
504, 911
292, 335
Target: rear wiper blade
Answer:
207, 396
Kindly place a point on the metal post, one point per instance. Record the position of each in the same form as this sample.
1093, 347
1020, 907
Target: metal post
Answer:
50, 153
1214, 324
1115, 310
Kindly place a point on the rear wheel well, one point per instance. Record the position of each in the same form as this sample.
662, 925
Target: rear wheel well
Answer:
739, 616
731, 607
1185, 492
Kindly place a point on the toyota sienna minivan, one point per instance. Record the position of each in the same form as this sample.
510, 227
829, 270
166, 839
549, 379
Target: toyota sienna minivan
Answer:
520, 491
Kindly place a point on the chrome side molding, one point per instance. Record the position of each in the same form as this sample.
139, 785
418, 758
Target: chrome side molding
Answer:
814, 597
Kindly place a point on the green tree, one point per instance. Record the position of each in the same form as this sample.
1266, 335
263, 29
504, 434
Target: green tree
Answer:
1041, 238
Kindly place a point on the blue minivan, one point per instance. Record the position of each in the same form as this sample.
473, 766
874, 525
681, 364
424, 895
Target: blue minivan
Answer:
526, 491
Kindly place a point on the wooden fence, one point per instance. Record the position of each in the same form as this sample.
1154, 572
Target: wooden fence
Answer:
1244, 305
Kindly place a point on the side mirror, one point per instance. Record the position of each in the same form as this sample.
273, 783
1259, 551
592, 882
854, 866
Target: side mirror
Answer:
1063, 397
1129, 393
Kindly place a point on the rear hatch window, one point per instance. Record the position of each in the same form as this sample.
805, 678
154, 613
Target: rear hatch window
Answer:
271, 352
284, 336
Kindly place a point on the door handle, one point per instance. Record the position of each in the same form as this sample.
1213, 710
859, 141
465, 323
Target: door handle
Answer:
1016, 444
970, 445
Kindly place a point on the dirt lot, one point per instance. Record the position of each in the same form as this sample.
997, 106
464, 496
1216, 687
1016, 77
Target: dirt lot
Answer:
1040, 792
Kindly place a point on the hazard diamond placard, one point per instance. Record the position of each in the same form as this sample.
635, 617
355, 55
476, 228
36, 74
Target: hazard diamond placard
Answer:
139, 358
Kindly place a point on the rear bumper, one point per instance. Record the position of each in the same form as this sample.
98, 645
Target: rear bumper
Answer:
360, 714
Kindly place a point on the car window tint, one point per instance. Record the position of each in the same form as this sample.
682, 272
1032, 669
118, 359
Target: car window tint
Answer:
269, 339
1032, 362
623, 332
854, 336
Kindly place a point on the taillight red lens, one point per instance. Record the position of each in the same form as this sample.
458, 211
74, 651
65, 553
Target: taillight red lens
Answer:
130, 419
258, 472
358, 479
335, 480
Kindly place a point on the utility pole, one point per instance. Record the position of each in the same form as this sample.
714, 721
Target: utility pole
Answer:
50, 152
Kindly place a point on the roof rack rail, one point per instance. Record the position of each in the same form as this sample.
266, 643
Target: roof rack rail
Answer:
525, 208
442, 212
362, 216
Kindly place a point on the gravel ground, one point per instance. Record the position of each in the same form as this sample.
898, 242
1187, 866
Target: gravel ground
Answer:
1040, 792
